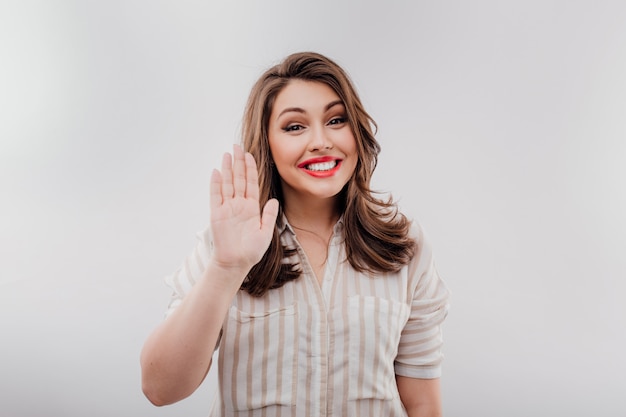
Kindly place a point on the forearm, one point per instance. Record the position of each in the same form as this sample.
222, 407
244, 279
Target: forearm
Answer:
177, 355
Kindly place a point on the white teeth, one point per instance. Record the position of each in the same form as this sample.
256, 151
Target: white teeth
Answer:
323, 166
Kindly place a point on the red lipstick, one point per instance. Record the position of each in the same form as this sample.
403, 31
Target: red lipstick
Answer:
320, 160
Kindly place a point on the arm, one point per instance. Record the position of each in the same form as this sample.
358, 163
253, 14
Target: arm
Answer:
177, 355
419, 353
420, 397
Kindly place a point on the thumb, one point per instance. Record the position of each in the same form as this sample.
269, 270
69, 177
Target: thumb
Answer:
268, 217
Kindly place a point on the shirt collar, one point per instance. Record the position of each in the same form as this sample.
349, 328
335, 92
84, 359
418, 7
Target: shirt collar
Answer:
283, 225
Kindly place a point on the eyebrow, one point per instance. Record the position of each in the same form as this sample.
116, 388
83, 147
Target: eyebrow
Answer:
301, 110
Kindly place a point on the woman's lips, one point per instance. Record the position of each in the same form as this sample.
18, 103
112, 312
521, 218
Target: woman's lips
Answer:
325, 166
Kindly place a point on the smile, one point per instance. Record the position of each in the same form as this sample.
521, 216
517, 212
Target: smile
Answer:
321, 167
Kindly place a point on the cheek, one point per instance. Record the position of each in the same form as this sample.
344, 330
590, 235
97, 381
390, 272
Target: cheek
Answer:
275, 149
282, 153
354, 164
349, 146
353, 151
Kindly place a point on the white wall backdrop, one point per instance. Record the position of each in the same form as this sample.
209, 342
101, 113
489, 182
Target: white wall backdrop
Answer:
503, 126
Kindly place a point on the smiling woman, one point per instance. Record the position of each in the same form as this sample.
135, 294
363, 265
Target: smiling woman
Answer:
322, 299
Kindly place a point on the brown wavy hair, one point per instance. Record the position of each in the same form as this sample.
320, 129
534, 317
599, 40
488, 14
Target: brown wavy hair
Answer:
376, 234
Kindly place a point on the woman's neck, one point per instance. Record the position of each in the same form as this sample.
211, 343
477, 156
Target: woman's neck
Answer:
313, 214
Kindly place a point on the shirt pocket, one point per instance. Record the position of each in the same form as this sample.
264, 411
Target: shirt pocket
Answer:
374, 334
261, 368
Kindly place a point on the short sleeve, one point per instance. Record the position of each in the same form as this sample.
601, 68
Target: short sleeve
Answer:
190, 271
420, 348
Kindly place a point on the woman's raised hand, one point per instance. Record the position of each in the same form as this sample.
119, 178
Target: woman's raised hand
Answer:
241, 232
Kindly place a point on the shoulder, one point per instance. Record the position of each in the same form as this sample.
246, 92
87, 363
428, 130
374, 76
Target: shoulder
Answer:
416, 231
422, 262
418, 234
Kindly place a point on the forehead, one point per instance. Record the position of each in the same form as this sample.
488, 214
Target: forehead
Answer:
305, 95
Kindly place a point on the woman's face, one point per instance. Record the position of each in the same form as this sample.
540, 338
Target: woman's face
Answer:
311, 141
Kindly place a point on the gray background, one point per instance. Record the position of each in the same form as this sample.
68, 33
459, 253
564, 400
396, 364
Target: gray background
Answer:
503, 130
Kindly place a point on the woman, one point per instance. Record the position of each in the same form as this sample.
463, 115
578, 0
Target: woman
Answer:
323, 299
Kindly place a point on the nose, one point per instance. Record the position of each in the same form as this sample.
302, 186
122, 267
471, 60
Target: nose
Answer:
319, 140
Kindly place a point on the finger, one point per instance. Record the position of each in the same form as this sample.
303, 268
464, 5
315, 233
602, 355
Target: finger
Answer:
252, 178
239, 172
216, 190
268, 218
227, 177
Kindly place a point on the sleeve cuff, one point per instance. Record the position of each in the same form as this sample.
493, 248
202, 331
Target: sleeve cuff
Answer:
420, 372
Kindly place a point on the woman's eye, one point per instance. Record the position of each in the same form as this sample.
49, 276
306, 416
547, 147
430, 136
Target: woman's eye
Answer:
293, 128
337, 121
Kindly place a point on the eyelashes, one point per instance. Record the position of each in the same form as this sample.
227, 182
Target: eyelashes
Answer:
296, 127
292, 128
338, 120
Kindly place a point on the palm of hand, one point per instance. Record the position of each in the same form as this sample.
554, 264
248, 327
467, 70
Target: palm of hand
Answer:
241, 233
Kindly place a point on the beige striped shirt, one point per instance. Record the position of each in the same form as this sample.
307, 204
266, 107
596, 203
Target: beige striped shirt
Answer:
307, 349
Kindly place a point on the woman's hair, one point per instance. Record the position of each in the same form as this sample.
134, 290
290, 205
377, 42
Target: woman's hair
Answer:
376, 233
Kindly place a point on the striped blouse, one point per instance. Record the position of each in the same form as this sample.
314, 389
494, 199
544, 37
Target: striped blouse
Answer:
307, 349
